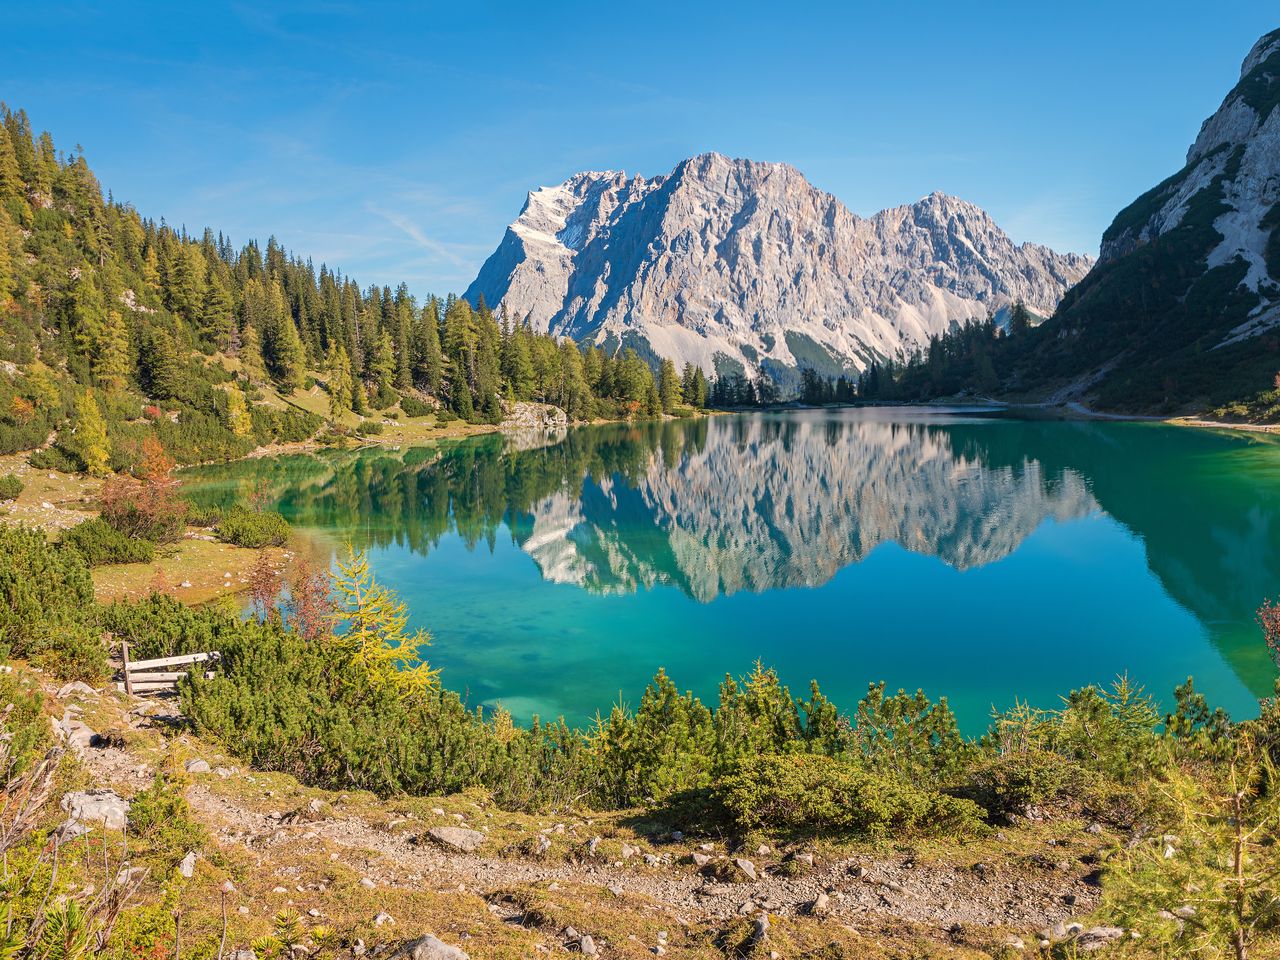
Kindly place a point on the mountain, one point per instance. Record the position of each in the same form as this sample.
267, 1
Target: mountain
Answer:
1183, 308
735, 264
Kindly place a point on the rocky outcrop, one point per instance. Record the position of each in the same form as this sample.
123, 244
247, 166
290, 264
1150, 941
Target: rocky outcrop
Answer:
739, 264
1233, 173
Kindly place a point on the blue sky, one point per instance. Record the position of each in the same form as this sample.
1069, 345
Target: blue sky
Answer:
396, 142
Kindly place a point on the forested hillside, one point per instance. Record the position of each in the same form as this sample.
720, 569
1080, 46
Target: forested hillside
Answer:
116, 326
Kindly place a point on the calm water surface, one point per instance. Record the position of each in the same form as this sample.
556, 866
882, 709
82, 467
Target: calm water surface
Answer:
987, 559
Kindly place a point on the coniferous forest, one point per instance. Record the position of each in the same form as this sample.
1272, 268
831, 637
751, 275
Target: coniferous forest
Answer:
116, 326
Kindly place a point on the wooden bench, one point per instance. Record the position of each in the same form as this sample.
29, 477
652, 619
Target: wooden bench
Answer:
149, 676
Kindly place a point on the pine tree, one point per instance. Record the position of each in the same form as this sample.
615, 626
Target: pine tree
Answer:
87, 311
11, 184
668, 385
428, 364
384, 371
251, 363
488, 376
8, 272
1019, 319
187, 285
290, 356
111, 359
340, 388
91, 442
158, 364
219, 313
517, 364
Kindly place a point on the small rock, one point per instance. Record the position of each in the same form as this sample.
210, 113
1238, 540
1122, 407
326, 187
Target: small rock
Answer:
700, 860
197, 766
820, 906
1014, 943
75, 688
382, 918
628, 851
1094, 828
188, 865
279, 890
459, 838
1095, 938
762, 850
592, 845
747, 867
650, 860
587, 946
99, 806
367, 883
428, 948
677, 835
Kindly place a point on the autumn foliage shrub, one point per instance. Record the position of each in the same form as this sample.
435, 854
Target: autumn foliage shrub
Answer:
146, 506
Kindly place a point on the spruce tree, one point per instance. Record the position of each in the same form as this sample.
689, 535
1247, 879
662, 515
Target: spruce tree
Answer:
111, 360
340, 386
251, 363
668, 385
290, 356
428, 369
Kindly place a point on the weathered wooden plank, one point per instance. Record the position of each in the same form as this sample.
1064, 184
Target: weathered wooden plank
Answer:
137, 665
150, 687
151, 676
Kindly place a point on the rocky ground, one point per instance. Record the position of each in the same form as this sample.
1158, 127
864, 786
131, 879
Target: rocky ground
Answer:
498, 884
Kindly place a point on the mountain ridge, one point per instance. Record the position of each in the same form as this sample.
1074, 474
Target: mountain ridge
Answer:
743, 264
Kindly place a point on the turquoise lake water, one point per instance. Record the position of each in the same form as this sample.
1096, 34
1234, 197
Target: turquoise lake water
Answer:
984, 558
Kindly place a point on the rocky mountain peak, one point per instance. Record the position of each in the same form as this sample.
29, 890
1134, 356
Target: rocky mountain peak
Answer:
737, 264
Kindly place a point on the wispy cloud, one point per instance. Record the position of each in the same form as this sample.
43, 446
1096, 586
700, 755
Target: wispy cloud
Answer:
460, 255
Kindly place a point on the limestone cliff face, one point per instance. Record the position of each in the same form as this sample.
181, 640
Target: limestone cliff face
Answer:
1232, 181
770, 503
742, 263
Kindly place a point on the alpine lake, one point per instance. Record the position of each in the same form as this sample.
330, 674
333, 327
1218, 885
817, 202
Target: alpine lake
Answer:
984, 558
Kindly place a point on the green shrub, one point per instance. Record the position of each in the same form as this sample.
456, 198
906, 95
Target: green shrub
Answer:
369, 428
413, 407
810, 792
10, 487
24, 726
161, 822
1008, 784
99, 542
40, 589
247, 528
200, 515
68, 647
57, 458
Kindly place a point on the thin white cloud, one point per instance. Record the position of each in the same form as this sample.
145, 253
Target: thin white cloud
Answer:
444, 251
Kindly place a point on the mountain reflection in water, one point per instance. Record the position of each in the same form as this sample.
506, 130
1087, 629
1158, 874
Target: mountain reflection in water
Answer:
718, 506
